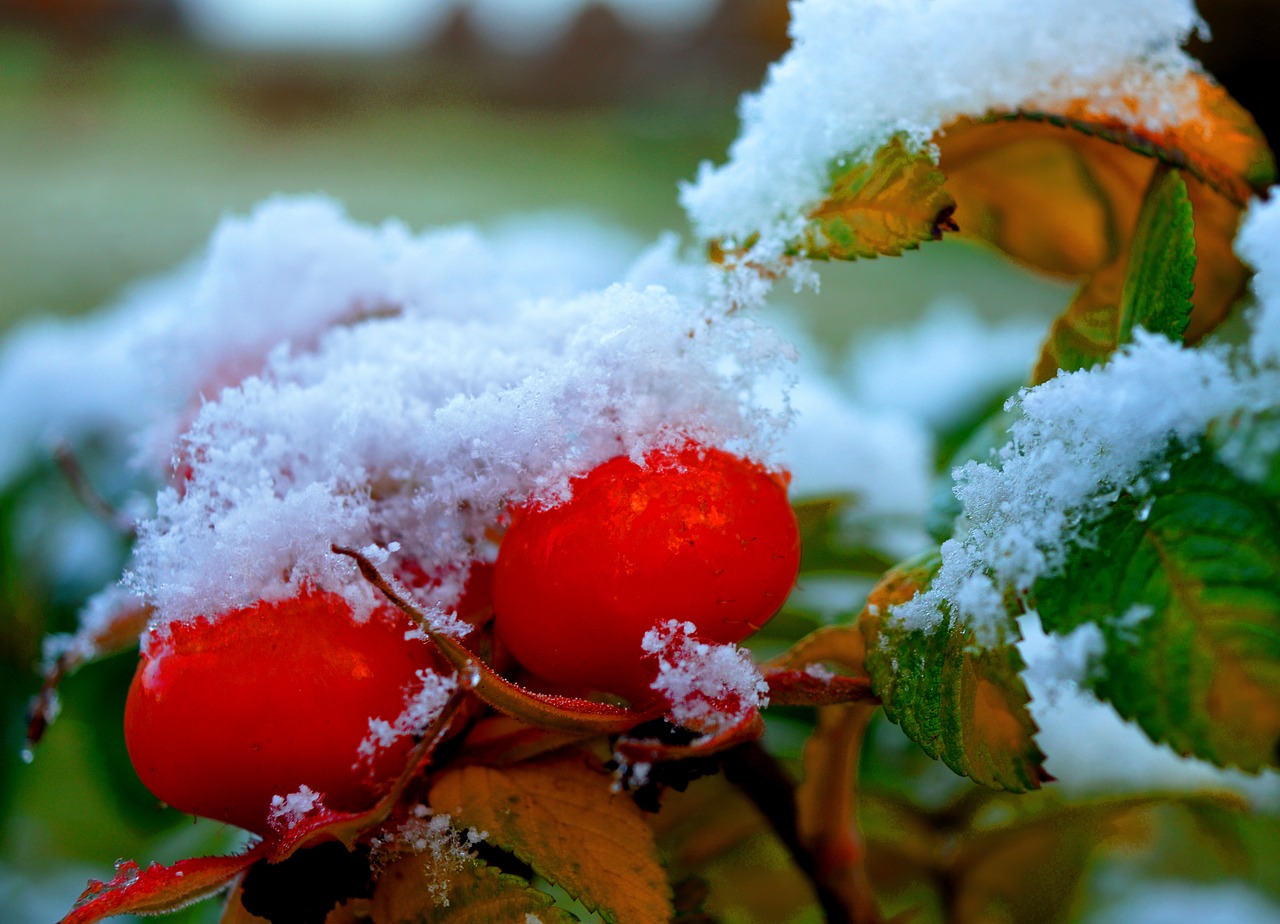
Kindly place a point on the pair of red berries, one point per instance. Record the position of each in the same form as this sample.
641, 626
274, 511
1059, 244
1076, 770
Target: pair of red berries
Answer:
224, 714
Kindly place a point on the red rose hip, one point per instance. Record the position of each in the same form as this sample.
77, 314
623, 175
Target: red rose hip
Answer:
225, 713
695, 534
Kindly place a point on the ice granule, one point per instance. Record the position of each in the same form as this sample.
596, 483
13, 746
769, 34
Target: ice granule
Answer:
288, 811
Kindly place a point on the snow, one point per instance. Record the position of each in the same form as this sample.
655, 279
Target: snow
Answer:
365, 386
710, 687
861, 71
1119, 757
1259, 245
422, 707
1079, 441
430, 835
288, 811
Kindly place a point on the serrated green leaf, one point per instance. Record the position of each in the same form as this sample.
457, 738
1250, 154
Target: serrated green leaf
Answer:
1149, 285
1185, 585
965, 705
1158, 285
879, 207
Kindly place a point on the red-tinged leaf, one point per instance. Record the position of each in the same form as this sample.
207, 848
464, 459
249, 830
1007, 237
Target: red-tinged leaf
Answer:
804, 688
158, 889
557, 713
749, 728
500, 739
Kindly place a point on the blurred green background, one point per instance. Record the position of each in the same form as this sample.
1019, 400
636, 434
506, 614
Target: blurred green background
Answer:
124, 137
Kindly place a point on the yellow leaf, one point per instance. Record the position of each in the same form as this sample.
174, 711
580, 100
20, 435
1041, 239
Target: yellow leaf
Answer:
884, 206
410, 892
560, 817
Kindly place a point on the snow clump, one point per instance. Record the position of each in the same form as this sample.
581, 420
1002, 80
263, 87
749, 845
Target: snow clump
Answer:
709, 686
861, 71
380, 390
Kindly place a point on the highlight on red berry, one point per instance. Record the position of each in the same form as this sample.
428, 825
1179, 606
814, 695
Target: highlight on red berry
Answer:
226, 714
695, 534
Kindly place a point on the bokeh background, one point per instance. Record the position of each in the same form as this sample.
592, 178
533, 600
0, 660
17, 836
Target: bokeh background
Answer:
128, 127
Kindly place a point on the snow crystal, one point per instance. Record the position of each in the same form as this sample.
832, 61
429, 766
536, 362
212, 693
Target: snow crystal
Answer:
860, 71
1079, 441
1069, 715
288, 811
421, 709
1259, 245
428, 835
709, 686
407, 389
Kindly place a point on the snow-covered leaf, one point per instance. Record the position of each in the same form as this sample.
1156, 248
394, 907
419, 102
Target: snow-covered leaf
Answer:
1184, 582
881, 207
963, 704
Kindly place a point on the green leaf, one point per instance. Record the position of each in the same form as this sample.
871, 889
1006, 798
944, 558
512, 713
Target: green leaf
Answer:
1158, 286
1185, 585
827, 541
1148, 284
879, 207
963, 704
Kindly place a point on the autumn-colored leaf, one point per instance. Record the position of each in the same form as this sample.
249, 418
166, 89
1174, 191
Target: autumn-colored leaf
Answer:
962, 703
1061, 192
1185, 586
157, 889
801, 675
1149, 285
561, 817
880, 207
410, 892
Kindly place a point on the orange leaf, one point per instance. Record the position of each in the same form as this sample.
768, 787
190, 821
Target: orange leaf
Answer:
1060, 192
562, 818
408, 892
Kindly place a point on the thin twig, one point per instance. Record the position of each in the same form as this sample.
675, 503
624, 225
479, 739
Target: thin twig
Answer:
65, 458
